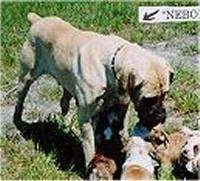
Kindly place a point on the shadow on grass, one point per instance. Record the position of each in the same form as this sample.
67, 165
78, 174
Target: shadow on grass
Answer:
50, 138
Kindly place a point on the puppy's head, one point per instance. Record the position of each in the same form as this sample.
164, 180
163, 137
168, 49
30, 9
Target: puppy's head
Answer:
191, 154
102, 167
192, 147
137, 145
138, 164
158, 136
193, 165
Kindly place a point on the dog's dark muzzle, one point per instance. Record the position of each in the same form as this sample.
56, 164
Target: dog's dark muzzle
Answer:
151, 113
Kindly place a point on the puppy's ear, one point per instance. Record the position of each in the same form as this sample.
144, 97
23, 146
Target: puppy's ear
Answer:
163, 134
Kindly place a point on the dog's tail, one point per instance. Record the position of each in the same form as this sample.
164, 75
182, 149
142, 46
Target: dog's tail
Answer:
33, 17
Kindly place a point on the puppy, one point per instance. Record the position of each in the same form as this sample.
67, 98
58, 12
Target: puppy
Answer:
180, 149
191, 153
167, 147
101, 168
138, 165
171, 152
97, 74
193, 165
158, 136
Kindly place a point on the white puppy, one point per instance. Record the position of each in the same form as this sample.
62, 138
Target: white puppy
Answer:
138, 165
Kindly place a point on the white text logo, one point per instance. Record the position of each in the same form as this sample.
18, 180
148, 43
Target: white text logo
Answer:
153, 14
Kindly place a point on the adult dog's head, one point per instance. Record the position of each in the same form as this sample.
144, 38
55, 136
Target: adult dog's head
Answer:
147, 77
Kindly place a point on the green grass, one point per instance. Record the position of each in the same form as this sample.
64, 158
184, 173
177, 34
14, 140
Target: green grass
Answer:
19, 160
184, 91
190, 50
164, 172
50, 94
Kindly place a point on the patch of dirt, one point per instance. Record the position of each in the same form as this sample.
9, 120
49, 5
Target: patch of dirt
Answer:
35, 105
173, 51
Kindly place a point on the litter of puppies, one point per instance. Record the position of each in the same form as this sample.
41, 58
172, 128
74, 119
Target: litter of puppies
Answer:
181, 150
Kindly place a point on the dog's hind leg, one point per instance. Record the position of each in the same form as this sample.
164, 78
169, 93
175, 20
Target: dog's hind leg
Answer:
19, 106
22, 93
65, 101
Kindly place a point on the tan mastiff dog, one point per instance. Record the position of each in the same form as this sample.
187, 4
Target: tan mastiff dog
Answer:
98, 71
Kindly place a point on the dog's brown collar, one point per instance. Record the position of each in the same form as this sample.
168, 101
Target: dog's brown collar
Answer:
113, 60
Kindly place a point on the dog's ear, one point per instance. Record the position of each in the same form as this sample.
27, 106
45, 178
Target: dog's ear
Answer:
170, 70
171, 77
129, 83
123, 83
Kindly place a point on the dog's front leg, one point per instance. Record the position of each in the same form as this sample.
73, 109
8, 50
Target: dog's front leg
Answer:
86, 113
88, 142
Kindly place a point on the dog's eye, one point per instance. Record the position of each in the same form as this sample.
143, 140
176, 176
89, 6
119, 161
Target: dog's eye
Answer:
196, 149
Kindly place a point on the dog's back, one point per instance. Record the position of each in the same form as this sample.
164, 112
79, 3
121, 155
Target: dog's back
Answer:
58, 37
